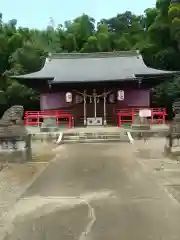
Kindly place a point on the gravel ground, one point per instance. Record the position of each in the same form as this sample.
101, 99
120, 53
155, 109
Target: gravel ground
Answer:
165, 170
15, 178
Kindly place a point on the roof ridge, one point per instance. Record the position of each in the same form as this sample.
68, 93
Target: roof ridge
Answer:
94, 55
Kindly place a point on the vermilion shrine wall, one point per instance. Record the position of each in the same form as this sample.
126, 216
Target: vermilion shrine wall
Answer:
132, 98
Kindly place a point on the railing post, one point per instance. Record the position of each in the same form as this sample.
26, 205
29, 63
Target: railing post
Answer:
72, 121
132, 115
119, 120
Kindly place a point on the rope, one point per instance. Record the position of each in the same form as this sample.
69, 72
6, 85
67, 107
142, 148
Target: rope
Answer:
91, 96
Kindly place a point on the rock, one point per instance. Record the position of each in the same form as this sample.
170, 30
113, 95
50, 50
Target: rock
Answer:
14, 138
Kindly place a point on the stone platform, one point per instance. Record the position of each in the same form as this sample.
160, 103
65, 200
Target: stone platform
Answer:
154, 128
94, 134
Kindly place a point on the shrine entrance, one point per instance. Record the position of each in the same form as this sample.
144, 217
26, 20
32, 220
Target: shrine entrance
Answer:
96, 105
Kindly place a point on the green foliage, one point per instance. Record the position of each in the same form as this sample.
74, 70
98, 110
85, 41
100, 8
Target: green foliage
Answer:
156, 34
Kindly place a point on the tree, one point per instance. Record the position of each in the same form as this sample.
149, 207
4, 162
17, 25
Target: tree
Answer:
156, 34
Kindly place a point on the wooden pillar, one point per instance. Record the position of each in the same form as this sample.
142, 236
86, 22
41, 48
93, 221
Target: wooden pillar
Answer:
105, 120
85, 115
95, 109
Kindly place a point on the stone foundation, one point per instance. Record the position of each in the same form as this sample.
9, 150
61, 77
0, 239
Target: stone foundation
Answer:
14, 156
49, 129
140, 127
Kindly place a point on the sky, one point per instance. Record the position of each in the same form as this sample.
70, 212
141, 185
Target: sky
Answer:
36, 13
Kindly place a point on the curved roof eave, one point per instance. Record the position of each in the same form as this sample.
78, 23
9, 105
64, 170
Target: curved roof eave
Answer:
158, 73
95, 81
35, 75
118, 66
41, 74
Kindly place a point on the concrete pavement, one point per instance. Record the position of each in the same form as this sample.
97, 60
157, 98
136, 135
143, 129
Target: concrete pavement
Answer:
95, 192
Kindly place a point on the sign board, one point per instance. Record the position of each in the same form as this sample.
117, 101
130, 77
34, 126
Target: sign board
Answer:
145, 113
111, 98
94, 121
79, 99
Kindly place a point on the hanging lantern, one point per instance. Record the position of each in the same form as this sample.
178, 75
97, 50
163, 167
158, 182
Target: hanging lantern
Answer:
120, 95
78, 99
111, 98
68, 97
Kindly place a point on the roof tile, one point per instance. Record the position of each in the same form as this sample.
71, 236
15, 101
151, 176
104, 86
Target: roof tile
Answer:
94, 67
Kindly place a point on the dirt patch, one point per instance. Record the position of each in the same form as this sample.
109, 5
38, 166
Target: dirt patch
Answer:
14, 179
43, 156
43, 152
22, 172
174, 190
166, 167
152, 149
149, 154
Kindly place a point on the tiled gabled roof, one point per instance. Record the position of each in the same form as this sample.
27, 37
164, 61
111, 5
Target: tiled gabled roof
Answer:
94, 67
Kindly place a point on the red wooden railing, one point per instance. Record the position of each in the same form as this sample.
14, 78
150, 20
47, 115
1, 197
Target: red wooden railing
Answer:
158, 115
35, 117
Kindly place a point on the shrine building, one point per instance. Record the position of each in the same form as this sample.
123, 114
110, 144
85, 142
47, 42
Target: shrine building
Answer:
94, 87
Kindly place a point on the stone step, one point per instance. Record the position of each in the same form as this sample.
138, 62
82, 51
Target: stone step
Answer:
94, 140
110, 136
53, 136
82, 136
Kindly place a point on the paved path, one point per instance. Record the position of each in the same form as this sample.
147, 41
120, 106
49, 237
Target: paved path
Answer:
95, 192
